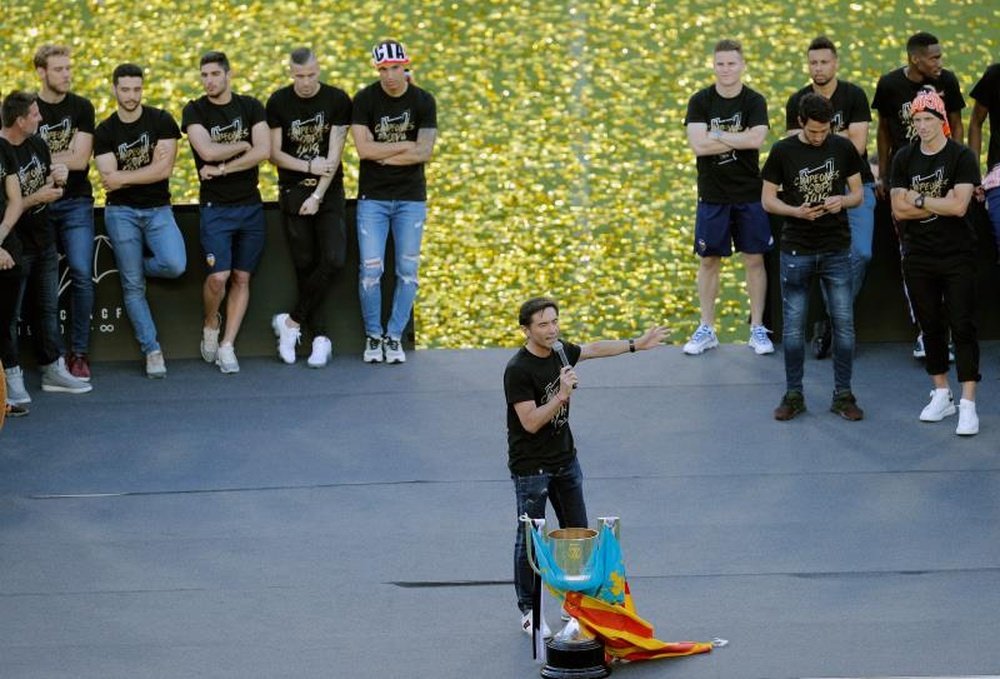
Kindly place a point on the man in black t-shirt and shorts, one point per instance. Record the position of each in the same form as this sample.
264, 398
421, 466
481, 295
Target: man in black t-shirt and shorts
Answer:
726, 125
68, 129
230, 138
932, 183
134, 151
541, 453
308, 121
894, 95
394, 126
819, 175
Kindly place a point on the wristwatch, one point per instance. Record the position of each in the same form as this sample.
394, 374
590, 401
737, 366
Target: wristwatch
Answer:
919, 201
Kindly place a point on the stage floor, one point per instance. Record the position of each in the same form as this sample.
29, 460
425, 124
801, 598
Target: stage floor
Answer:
358, 521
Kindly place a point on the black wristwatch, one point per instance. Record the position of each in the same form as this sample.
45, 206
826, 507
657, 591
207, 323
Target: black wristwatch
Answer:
919, 201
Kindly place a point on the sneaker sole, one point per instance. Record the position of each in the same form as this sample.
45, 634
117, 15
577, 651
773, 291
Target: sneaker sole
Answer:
948, 412
51, 388
228, 371
761, 352
971, 432
18, 401
395, 361
699, 352
156, 376
370, 359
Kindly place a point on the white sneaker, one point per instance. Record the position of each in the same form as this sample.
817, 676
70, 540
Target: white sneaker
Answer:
373, 350
210, 341
156, 367
55, 377
321, 352
759, 341
288, 337
225, 358
16, 393
702, 340
526, 625
941, 406
918, 347
393, 350
968, 421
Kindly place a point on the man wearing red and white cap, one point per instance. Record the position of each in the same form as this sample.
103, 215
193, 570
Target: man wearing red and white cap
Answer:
931, 185
394, 125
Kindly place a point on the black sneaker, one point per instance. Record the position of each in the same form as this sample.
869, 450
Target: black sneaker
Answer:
792, 404
13, 410
822, 339
845, 405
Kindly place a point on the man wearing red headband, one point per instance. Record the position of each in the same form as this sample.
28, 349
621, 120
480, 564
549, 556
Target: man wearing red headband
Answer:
932, 183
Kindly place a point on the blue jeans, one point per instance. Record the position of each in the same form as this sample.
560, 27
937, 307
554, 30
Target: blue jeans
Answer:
41, 283
835, 274
862, 222
74, 223
564, 489
376, 219
993, 209
129, 229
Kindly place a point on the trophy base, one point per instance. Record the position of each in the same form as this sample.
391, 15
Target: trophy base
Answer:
578, 659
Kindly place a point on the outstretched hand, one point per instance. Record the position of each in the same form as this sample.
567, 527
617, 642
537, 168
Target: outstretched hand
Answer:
652, 338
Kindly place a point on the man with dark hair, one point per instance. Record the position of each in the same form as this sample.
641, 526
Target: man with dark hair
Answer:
819, 174
41, 183
134, 150
68, 128
986, 93
10, 269
230, 138
308, 121
932, 183
893, 96
726, 125
851, 119
394, 125
541, 452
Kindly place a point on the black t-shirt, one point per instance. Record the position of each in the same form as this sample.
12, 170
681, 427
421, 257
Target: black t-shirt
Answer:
811, 174
530, 378
305, 126
393, 119
59, 123
934, 176
850, 105
987, 93
133, 145
32, 163
11, 243
894, 94
733, 176
226, 124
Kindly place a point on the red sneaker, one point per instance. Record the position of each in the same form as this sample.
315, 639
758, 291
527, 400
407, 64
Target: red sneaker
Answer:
79, 366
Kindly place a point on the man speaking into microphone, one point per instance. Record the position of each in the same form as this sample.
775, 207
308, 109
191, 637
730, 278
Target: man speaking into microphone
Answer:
538, 383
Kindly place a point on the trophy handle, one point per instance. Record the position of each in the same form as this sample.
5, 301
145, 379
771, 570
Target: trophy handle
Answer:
529, 541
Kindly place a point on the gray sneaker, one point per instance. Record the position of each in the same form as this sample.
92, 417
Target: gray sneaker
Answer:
225, 358
55, 377
16, 393
210, 341
156, 367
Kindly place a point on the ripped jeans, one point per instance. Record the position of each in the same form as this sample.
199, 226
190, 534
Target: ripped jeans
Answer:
376, 219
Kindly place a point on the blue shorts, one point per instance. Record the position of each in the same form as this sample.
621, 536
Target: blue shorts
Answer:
232, 236
718, 226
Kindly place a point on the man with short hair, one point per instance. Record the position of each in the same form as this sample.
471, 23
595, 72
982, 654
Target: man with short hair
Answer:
541, 451
41, 183
894, 94
229, 138
819, 175
10, 270
68, 128
986, 94
851, 119
134, 150
308, 121
726, 125
932, 183
394, 125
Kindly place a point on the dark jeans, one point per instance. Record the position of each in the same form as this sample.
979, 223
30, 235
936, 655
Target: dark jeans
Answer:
943, 296
10, 288
564, 489
41, 285
318, 247
74, 221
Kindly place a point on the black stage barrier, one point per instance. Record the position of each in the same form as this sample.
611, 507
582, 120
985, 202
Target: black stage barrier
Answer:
177, 304
881, 313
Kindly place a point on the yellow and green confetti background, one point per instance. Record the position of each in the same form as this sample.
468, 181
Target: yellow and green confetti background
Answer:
561, 165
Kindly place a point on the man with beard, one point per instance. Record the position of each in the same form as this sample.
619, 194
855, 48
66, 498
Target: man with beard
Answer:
229, 137
135, 148
308, 121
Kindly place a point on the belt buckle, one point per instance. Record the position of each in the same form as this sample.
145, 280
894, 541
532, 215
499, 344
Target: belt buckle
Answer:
309, 182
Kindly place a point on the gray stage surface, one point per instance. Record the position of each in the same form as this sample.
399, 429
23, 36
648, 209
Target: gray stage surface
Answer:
357, 521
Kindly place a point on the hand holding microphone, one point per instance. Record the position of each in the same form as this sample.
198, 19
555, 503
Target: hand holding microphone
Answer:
567, 376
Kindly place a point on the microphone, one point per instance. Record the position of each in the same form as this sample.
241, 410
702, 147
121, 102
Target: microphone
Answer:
557, 347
